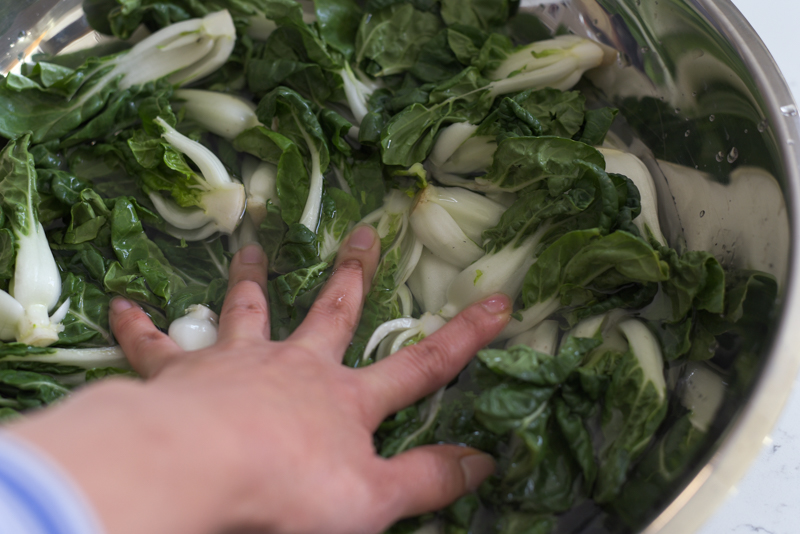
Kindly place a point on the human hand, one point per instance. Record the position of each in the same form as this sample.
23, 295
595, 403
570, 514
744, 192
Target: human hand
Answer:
262, 435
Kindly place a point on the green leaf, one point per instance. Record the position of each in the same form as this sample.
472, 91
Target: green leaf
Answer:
8, 254
100, 373
659, 470
483, 14
572, 262
51, 112
393, 37
522, 523
293, 178
31, 389
538, 368
18, 195
522, 161
511, 406
141, 272
295, 284
579, 440
86, 323
634, 409
696, 280
598, 122
339, 21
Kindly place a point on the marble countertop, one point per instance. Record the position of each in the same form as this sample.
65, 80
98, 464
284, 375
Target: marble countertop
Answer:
767, 500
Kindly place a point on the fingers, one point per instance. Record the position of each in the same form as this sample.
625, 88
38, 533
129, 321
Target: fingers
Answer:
245, 313
334, 316
410, 374
431, 477
147, 348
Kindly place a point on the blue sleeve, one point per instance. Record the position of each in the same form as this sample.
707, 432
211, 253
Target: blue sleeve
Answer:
36, 497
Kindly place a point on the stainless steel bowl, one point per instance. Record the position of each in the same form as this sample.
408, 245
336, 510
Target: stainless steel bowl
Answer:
722, 140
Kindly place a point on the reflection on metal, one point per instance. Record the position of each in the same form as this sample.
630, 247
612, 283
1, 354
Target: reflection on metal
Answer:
710, 116
743, 222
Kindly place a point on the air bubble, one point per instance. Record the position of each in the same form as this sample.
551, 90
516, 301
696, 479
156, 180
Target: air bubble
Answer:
694, 93
720, 156
686, 134
711, 118
702, 213
789, 110
762, 126
733, 155
677, 110
790, 141
644, 50
22, 35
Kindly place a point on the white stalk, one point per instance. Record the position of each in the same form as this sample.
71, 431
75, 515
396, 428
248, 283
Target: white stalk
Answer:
386, 329
310, 216
557, 63
473, 213
449, 140
430, 280
530, 318
261, 185
475, 155
498, 272
223, 200
647, 350
87, 358
186, 52
619, 162
177, 216
220, 113
357, 93
11, 312
431, 411
244, 234
437, 230
703, 393
196, 330
542, 338
260, 27
36, 286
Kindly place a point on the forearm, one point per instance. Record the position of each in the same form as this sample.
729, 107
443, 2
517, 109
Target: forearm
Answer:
136, 468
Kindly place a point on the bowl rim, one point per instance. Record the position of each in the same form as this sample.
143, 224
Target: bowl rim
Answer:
749, 430
745, 436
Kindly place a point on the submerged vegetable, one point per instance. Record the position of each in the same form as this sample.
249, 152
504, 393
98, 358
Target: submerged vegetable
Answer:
476, 164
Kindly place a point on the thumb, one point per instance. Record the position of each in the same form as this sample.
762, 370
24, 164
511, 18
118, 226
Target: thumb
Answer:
431, 477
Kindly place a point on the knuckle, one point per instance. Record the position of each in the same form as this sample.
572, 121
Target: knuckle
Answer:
339, 309
245, 299
146, 340
429, 359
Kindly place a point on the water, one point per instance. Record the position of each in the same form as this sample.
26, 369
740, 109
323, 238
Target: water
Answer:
790, 110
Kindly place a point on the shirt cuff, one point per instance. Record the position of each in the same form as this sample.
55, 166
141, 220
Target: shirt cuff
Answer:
37, 497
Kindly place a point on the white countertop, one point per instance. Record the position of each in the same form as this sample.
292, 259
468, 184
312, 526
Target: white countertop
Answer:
767, 500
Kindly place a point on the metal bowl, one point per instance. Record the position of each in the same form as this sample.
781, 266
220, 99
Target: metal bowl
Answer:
720, 139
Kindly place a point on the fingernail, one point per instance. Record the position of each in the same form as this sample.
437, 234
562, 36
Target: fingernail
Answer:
119, 304
362, 238
476, 467
251, 254
497, 304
